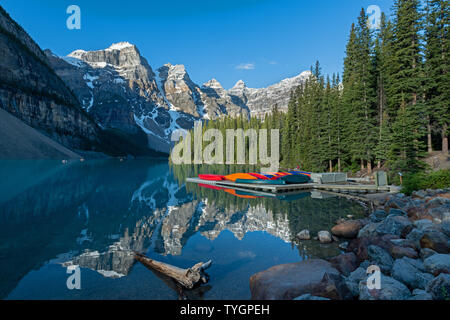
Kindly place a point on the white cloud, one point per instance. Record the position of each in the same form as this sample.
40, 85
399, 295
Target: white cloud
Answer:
273, 62
246, 66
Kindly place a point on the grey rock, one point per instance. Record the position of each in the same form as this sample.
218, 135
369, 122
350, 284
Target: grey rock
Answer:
415, 235
437, 263
391, 289
439, 287
394, 224
423, 279
409, 272
405, 273
368, 230
352, 281
380, 257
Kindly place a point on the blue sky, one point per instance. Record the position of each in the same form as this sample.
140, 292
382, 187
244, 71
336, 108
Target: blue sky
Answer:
260, 42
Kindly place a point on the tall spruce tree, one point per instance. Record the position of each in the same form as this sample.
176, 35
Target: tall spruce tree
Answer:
437, 78
359, 96
405, 87
382, 64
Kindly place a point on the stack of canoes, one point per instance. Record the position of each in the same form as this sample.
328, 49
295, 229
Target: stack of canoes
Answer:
271, 178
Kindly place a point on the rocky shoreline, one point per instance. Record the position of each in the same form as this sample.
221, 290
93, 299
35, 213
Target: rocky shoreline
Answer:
406, 238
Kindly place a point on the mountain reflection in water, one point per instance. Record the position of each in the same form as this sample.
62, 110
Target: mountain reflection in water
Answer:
95, 214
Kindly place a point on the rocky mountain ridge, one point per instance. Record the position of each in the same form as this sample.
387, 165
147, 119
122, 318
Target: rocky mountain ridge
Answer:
119, 89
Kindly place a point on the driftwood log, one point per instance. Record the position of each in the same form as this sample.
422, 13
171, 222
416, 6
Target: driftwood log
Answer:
188, 278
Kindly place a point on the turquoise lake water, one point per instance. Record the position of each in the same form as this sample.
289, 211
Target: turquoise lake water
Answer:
96, 213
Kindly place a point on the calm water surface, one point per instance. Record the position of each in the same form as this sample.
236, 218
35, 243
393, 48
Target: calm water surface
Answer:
94, 214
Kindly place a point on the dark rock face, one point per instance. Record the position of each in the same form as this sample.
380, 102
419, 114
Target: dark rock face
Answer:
287, 281
31, 91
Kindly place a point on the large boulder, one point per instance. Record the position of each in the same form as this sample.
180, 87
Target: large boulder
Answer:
287, 281
391, 289
437, 263
411, 273
435, 240
395, 225
347, 229
439, 287
345, 263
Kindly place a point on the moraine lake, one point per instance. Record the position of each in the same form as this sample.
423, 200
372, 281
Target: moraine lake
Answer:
96, 213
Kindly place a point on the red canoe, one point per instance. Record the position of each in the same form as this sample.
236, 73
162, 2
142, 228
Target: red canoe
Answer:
211, 177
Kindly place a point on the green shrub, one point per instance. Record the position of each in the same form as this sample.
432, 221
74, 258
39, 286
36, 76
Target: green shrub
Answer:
422, 180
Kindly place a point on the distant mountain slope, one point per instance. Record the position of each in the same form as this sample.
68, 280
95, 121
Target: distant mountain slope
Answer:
20, 141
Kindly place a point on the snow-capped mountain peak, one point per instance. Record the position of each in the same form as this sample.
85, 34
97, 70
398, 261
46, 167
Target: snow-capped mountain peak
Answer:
119, 89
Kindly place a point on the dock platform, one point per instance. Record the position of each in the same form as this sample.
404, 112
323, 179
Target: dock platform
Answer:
293, 188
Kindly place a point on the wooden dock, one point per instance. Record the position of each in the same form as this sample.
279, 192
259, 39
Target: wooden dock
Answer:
274, 190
